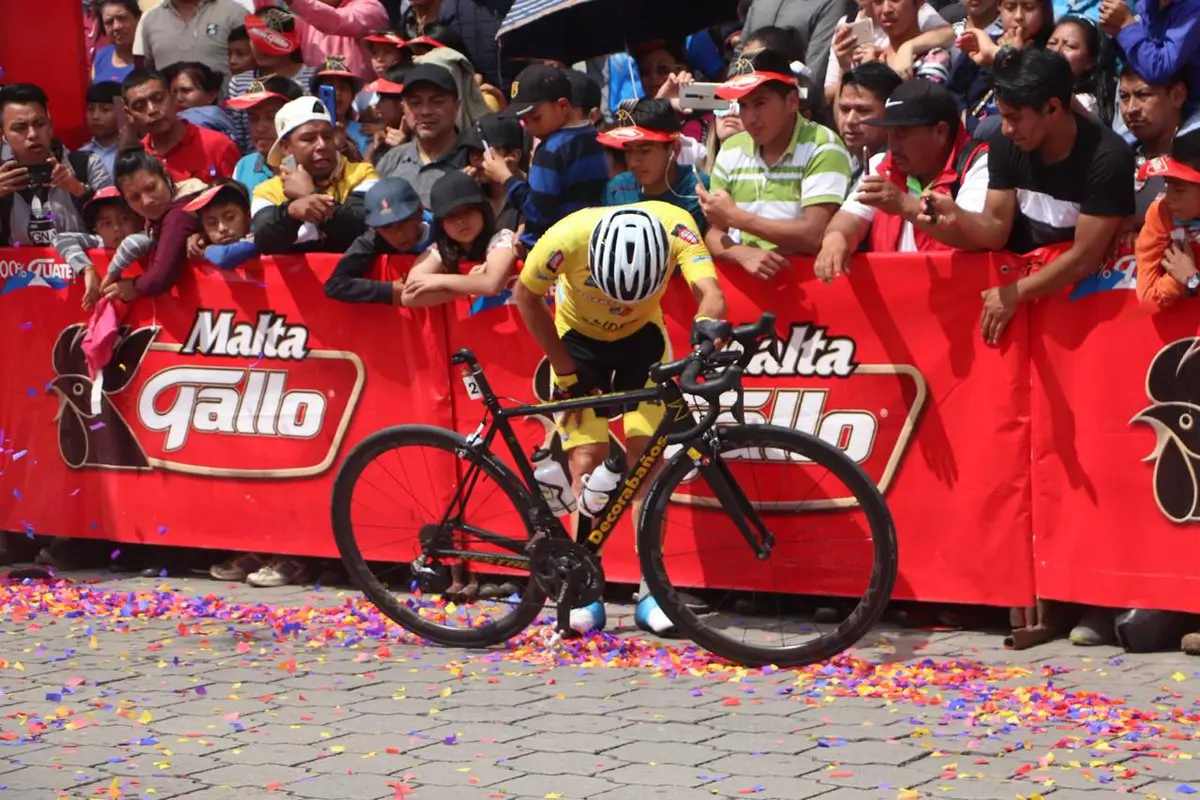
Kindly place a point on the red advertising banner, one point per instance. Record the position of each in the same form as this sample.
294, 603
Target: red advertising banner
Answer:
223, 415
1116, 448
230, 403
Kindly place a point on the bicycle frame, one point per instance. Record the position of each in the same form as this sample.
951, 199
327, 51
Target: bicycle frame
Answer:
592, 534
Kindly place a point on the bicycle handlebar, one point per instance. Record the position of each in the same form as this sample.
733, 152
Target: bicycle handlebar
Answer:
690, 367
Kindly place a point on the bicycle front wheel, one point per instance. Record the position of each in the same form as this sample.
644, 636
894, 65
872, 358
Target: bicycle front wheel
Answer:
832, 535
417, 515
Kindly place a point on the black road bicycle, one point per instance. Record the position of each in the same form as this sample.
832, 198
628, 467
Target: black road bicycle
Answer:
494, 519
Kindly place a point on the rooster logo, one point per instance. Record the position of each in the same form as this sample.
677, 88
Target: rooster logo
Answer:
94, 434
1173, 383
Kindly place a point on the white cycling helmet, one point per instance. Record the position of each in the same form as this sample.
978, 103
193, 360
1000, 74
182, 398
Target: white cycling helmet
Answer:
629, 255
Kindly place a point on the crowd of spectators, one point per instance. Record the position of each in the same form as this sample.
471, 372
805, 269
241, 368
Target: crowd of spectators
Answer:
234, 128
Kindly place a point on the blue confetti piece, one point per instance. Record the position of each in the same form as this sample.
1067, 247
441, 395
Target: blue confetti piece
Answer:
148, 742
96, 426
26, 326
17, 493
162, 530
54, 697
1184, 788
17, 456
32, 392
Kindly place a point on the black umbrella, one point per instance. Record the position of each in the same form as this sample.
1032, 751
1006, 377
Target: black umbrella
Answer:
574, 30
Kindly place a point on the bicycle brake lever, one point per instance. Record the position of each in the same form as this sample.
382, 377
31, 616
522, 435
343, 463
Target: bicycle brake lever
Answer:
776, 347
739, 410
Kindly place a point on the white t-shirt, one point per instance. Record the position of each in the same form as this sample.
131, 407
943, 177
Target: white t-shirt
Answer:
972, 194
928, 19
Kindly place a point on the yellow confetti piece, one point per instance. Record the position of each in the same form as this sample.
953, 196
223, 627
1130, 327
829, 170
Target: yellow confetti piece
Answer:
18, 665
554, 795
93, 642
1179, 676
337, 748
145, 718
908, 794
446, 692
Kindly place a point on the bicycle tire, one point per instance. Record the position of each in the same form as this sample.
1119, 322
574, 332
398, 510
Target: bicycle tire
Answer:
852, 629
532, 599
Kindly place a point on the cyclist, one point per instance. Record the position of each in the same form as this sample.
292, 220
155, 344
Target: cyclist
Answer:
612, 267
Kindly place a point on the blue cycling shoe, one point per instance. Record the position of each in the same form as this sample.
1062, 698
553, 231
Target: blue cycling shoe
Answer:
591, 617
650, 618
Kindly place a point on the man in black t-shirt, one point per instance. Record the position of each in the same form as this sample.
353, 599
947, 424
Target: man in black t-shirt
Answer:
1054, 176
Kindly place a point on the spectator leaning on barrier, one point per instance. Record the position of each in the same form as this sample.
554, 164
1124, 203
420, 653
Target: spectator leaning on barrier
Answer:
466, 233
649, 140
187, 30
120, 20
775, 186
114, 227
225, 240
337, 28
929, 150
152, 193
43, 186
1167, 245
103, 123
1055, 177
260, 105
431, 100
1153, 113
569, 170
397, 224
188, 150
317, 204
196, 90
860, 96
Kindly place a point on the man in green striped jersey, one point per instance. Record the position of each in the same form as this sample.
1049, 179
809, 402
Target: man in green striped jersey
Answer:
776, 185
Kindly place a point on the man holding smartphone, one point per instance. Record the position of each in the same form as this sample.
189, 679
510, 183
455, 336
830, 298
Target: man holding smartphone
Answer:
43, 187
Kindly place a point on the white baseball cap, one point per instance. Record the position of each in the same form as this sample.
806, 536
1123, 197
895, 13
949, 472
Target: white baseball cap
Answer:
295, 113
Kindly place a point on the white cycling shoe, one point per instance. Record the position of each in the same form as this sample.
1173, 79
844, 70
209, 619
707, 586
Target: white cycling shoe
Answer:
591, 617
650, 618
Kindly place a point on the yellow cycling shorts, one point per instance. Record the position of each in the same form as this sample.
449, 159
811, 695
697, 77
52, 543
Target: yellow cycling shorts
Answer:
618, 366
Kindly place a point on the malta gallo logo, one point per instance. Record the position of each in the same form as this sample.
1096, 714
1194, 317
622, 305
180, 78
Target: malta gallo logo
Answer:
868, 411
234, 399
1173, 384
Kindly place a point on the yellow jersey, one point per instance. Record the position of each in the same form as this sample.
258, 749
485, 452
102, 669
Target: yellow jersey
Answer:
561, 256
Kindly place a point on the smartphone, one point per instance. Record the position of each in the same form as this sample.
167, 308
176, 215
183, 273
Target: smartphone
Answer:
863, 31
39, 174
328, 97
289, 163
702, 97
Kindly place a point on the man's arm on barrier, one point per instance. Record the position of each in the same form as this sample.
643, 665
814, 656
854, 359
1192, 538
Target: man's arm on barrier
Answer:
988, 229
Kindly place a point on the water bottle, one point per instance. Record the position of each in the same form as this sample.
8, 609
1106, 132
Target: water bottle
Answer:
553, 482
599, 485
41, 227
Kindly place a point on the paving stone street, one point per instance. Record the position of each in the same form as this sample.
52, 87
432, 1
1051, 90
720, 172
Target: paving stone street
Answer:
121, 689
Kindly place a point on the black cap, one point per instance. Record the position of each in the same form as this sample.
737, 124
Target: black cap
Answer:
917, 103
452, 190
499, 131
585, 92
389, 201
430, 74
538, 84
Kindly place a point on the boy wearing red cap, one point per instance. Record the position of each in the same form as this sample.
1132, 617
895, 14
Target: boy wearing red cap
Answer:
1166, 246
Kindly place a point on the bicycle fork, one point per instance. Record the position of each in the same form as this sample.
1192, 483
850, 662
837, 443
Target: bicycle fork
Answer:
741, 511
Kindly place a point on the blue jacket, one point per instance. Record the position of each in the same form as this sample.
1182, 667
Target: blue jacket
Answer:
1162, 41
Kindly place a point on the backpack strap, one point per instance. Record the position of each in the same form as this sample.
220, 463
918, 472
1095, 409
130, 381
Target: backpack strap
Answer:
967, 156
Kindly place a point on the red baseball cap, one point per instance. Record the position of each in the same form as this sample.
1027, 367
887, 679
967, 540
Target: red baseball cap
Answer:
386, 37
1167, 167
269, 40
252, 98
739, 86
384, 86
619, 137
236, 191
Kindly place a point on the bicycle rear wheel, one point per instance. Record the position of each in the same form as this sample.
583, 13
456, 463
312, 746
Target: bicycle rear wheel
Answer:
417, 491
829, 522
